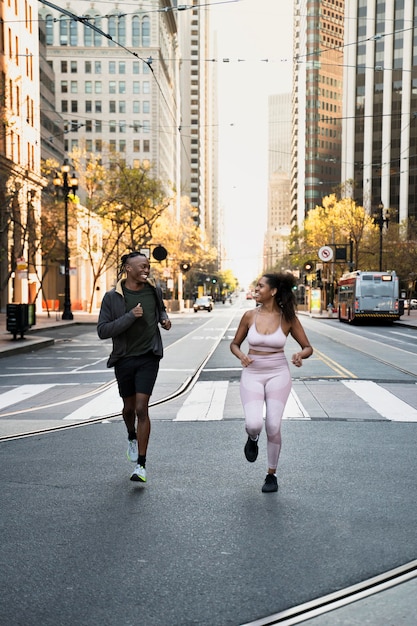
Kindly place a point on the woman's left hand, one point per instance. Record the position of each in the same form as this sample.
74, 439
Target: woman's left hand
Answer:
297, 359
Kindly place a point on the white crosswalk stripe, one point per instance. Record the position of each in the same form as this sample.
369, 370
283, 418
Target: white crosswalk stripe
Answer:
382, 400
214, 400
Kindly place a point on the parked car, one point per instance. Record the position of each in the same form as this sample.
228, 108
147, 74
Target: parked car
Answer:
203, 304
413, 303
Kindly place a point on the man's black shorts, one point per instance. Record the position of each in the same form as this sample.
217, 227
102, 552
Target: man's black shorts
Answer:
137, 374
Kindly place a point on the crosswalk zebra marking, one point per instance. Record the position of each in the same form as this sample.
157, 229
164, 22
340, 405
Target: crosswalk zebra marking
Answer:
382, 401
205, 402
106, 403
20, 393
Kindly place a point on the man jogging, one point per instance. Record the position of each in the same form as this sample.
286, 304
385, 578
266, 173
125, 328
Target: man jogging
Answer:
130, 314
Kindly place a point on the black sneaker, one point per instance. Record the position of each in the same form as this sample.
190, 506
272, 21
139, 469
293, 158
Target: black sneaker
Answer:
251, 450
270, 484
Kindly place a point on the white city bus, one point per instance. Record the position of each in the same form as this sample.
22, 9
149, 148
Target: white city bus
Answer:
368, 295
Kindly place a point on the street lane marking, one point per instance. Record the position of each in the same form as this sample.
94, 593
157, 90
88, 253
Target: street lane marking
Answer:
23, 392
336, 367
294, 408
382, 401
105, 404
205, 402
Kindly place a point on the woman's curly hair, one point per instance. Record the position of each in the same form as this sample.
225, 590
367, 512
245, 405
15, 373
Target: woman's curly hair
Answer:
284, 283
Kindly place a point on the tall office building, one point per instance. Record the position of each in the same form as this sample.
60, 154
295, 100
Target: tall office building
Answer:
317, 103
20, 174
380, 104
198, 96
279, 167
115, 80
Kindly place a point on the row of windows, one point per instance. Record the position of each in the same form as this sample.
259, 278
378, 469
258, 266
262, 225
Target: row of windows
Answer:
113, 67
114, 106
97, 145
116, 26
113, 126
113, 86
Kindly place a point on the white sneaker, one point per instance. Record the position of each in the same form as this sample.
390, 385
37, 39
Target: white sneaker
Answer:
139, 474
132, 450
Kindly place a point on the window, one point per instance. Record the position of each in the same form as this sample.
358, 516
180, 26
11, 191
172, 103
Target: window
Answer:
89, 126
64, 106
146, 86
135, 106
146, 31
122, 86
74, 126
98, 145
146, 106
112, 106
122, 126
88, 106
97, 86
49, 25
64, 67
146, 126
97, 67
122, 30
112, 86
73, 33
112, 145
136, 86
112, 67
112, 29
88, 36
122, 145
64, 86
63, 30
135, 67
122, 67
136, 145
135, 31
122, 106
98, 126
88, 86
74, 144
146, 68
74, 106
74, 86
98, 40
97, 106
112, 126
89, 145
146, 145
87, 67
73, 67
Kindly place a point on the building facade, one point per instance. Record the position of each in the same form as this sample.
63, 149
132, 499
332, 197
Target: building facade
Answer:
115, 81
380, 106
317, 103
20, 152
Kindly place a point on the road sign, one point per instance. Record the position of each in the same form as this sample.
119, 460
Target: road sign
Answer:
325, 253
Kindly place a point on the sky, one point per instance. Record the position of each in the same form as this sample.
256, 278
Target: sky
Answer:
250, 30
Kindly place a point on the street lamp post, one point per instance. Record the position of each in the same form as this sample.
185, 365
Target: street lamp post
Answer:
68, 183
380, 220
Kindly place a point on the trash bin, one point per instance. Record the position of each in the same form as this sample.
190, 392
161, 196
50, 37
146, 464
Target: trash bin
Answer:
19, 318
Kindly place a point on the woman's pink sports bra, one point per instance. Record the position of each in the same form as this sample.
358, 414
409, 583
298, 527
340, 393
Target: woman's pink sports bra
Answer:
274, 342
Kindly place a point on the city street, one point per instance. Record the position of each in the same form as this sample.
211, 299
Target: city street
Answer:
200, 544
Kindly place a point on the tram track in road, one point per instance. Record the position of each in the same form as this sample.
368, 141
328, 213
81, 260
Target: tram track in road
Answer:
183, 389
341, 598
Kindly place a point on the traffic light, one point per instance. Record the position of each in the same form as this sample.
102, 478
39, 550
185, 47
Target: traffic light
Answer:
308, 266
185, 267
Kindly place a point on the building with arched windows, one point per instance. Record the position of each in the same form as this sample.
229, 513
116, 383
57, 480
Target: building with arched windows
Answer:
115, 77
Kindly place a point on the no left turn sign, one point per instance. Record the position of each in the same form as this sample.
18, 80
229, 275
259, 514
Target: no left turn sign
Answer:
325, 253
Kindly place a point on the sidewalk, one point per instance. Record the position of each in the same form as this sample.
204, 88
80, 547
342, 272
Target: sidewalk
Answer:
37, 336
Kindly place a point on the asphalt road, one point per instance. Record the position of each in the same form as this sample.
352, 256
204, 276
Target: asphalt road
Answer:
200, 544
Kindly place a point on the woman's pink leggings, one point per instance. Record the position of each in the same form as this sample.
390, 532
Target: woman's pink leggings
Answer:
266, 381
